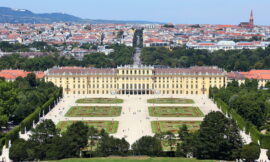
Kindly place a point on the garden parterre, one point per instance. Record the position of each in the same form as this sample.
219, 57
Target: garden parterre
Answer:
175, 111
170, 101
173, 126
94, 111
100, 101
108, 126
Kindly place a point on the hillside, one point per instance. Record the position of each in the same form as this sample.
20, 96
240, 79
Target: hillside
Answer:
16, 16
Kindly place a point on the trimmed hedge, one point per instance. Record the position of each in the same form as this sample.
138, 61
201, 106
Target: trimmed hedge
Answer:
28, 121
244, 125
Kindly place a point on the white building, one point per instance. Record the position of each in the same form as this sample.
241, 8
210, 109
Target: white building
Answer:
227, 45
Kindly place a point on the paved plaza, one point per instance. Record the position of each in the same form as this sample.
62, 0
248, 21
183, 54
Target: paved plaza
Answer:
134, 121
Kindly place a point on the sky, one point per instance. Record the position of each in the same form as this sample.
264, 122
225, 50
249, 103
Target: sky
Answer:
167, 11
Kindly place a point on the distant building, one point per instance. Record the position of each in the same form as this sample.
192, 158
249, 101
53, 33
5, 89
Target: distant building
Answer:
249, 24
227, 45
103, 49
11, 75
263, 76
154, 42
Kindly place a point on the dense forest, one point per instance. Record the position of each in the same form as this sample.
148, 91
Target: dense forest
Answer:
251, 103
232, 60
121, 56
20, 98
217, 138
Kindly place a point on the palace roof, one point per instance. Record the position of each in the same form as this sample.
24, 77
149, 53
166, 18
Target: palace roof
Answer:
79, 70
252, 74
13, 74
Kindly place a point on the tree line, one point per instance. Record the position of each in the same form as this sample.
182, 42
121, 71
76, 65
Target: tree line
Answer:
121, 56
20, 98
251, 103
231, 60
17, 47
217, 138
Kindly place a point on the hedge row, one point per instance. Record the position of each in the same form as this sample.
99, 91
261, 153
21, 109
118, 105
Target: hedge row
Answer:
244, 125
27, 123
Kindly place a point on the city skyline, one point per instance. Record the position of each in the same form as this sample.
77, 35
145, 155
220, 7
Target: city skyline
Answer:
184, 12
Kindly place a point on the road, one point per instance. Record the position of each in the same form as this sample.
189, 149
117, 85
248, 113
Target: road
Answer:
136, 58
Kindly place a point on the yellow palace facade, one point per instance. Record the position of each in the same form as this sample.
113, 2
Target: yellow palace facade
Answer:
136, 80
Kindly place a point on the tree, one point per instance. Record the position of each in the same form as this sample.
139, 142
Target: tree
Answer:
250, 152
76, 138
267, 85
3, 121
44, 132
218, 138
147, 145
93, 134
170, 138
18, 151
109, 145
183, 132
188, 146
31, 78
42, 139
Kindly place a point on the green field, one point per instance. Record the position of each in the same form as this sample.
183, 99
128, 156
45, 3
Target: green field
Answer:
175, 111
135, 159
100, 100
173, 126
170, 101
108, 126
94, 111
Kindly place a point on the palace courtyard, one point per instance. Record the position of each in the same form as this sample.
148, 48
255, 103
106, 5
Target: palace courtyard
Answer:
132, 116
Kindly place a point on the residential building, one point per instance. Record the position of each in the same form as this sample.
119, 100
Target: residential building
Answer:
263, 76
11, 75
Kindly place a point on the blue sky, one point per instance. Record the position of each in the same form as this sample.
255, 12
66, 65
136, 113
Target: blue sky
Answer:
175, 11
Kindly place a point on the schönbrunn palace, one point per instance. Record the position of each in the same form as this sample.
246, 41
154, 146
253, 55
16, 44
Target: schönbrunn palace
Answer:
136, 80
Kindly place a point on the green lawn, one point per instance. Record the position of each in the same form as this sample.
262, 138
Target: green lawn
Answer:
170, 101
100, 100
94, 111
108, 126
175, 111
135, 159
173, 126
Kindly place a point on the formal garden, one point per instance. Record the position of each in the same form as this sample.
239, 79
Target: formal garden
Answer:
100, 101
109, 126
170, 101
175, 111
173, 126
94, 111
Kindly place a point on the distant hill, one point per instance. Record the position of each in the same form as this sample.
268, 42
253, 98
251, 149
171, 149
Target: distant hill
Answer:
16, 16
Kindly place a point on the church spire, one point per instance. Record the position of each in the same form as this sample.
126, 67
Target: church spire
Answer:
251, 19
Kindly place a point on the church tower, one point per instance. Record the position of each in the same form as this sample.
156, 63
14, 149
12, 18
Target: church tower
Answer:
251, 20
